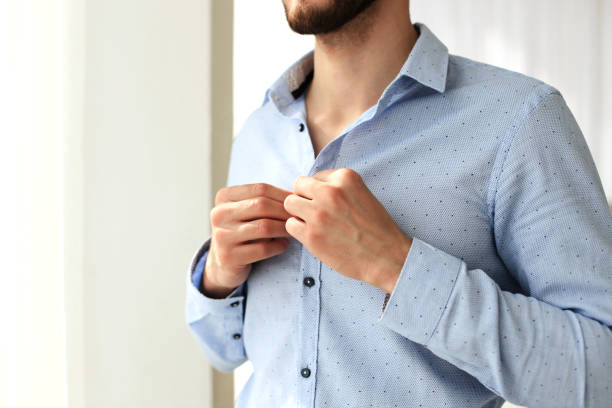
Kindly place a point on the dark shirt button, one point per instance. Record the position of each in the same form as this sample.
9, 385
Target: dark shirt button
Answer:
301, 127
234, 304
236, 336
309, 281
305, 372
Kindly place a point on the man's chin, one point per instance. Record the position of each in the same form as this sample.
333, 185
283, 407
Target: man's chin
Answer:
321, 16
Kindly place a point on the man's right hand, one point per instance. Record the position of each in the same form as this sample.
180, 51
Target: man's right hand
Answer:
248, 225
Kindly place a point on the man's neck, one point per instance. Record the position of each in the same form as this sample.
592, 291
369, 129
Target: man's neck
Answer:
353, 66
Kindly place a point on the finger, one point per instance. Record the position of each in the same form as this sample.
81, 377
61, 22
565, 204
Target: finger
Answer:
261, 228
258, 250
298, 206
244, 191
323, 175
305, 186
258, 207
230, 213
296, 228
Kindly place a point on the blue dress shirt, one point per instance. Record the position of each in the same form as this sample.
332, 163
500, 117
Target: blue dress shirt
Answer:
506, 292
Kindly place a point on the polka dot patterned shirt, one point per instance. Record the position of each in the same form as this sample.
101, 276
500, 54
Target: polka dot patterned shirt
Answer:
506, 292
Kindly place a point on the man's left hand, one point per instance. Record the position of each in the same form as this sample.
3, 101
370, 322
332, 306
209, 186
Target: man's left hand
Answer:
338, 219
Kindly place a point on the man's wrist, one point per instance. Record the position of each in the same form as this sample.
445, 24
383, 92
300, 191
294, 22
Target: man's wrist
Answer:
209, 288
392, 265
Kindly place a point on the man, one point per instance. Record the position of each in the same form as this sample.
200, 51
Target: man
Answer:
402, 227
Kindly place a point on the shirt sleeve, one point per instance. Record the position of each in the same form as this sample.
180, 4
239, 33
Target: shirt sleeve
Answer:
216, 324
550, 345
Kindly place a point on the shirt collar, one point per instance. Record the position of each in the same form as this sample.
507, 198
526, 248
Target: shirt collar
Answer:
427, 64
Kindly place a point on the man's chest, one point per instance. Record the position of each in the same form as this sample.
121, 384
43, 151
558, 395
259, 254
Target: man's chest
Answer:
432, 176
321, 137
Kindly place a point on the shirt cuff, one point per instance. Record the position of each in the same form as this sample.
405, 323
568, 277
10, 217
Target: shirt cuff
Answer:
199, 305
198, 271
424, 285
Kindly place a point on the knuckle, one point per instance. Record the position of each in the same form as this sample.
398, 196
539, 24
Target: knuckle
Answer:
289, 226
224, 256
334, 194
349, 176
258, 203
219, 235
297, 182
216, 214
260, 189
220, 196
263, 227
243, 228
311, 235
261, 249
319, 217
287, 200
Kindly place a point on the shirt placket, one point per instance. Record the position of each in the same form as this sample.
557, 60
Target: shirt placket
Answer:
310, 273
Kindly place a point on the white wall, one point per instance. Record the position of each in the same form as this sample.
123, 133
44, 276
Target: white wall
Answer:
264, 47
31, 371
145, 199
105, 139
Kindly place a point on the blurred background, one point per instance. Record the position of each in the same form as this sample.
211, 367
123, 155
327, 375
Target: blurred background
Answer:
116, 122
